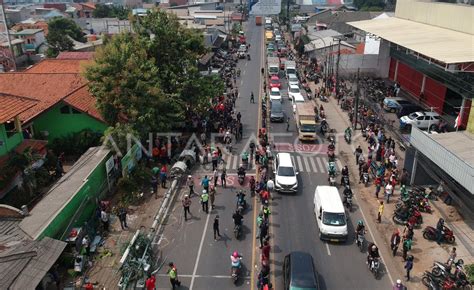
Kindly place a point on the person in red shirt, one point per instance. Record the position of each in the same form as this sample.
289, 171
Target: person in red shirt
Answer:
89, 286
150, 282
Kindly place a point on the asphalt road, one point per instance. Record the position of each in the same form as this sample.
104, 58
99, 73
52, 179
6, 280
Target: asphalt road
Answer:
202, 262
293, 225
205, 264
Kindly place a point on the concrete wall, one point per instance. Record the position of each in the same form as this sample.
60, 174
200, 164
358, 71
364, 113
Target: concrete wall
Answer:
58, 124
8, 143
451, 16
470, 122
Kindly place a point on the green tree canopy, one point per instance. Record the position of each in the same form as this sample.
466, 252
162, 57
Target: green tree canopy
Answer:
150, 79
59, 31
104, 10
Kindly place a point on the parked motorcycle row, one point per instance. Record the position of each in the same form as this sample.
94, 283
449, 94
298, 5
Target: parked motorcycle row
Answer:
443, 277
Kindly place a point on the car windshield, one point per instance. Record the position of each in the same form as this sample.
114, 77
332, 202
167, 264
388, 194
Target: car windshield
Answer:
275, 93
286, 171
293, 79
334, 219
299, 100
275, 81
294, 90
413, 116
308, 128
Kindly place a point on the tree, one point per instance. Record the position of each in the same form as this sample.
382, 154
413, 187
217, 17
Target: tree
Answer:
116, 138
369, 5
60, 32
105, 10
150, 79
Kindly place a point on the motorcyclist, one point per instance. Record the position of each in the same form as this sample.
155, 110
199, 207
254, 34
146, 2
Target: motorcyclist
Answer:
360, 229
439, 230
241, 171
324, 126
241, 199
347, 193
345, 171
237, 217
332, 168
398, 285
235, 260
252, 148
245, 157
252, 183
348, 131
372, 254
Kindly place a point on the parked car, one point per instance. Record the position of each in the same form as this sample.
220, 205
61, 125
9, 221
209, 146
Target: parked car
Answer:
293, 80
299, 272
421, 120
394, 104
275, 82
294, 91
275, 95
407, 109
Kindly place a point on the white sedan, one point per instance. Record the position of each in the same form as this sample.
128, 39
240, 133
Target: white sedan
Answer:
293, 90
293, 80
275, 95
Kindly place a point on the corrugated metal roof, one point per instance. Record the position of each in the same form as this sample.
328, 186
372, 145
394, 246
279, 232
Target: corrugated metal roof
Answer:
447, 46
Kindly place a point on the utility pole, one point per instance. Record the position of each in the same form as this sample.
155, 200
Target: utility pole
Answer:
241, 13
288, 12
357, 94
337, 66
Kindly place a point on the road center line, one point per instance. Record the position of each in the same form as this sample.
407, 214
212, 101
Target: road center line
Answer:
327, 248
199, 253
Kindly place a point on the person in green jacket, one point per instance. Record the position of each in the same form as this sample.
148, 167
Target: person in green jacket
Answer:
173, 274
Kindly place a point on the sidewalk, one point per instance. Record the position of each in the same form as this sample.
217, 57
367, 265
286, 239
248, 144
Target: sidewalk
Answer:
425, 252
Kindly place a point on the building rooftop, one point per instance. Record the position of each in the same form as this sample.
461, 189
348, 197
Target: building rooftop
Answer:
84, 55
441, 44
64, 190
24, 266
47, 88
85, 102
52, 65
28, 32
459, 143
12, 106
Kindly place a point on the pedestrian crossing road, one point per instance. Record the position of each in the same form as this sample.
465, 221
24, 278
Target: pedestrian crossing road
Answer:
303, 162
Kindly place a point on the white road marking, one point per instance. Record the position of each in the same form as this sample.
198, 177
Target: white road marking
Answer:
313, 165
320, 164
300, 165
228, 162
293, 160
306, 164
373, 239
339, 164
199, 252
327, 248
235, 161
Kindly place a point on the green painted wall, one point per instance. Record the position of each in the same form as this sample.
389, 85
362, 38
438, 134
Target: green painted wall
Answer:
83, 204
59, 124
8, 143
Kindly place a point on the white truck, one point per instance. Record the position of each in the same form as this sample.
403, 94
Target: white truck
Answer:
305, 121
290, 67
273, 66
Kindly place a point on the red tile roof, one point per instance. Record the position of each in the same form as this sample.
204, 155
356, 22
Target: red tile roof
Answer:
58, 66
12, 106
85, 55
84, 101
47, 88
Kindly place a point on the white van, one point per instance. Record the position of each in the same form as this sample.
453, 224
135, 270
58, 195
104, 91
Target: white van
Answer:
330, 214
285, 174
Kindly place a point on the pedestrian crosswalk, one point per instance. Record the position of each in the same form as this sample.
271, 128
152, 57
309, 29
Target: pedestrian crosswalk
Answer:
302, 162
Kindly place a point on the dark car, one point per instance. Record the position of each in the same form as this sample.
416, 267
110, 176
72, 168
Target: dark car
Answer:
407, 109
299, 272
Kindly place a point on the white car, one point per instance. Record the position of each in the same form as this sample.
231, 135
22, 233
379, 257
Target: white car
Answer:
294, 91
421, 120
293, 80
285, 174
296, 99
275, 95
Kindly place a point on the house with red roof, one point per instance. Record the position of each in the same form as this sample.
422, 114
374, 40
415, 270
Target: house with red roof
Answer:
62, 102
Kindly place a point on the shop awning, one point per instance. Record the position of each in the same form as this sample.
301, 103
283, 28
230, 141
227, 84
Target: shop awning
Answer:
445, 45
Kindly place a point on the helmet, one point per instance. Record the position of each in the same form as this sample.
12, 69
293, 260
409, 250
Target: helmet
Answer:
441, 220
374, 247
399, 281
186, 196
360, 222
235, 254
204, 191
190, 176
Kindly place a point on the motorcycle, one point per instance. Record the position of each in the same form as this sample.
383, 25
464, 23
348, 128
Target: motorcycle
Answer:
431, 281
458, 278
365, 178
360, 241
424, 206
345, 180
348, 137
248, 56
323, 98
348, 202
332, 180
237, 231
235, 273
430, 233
374, 266
402, 219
